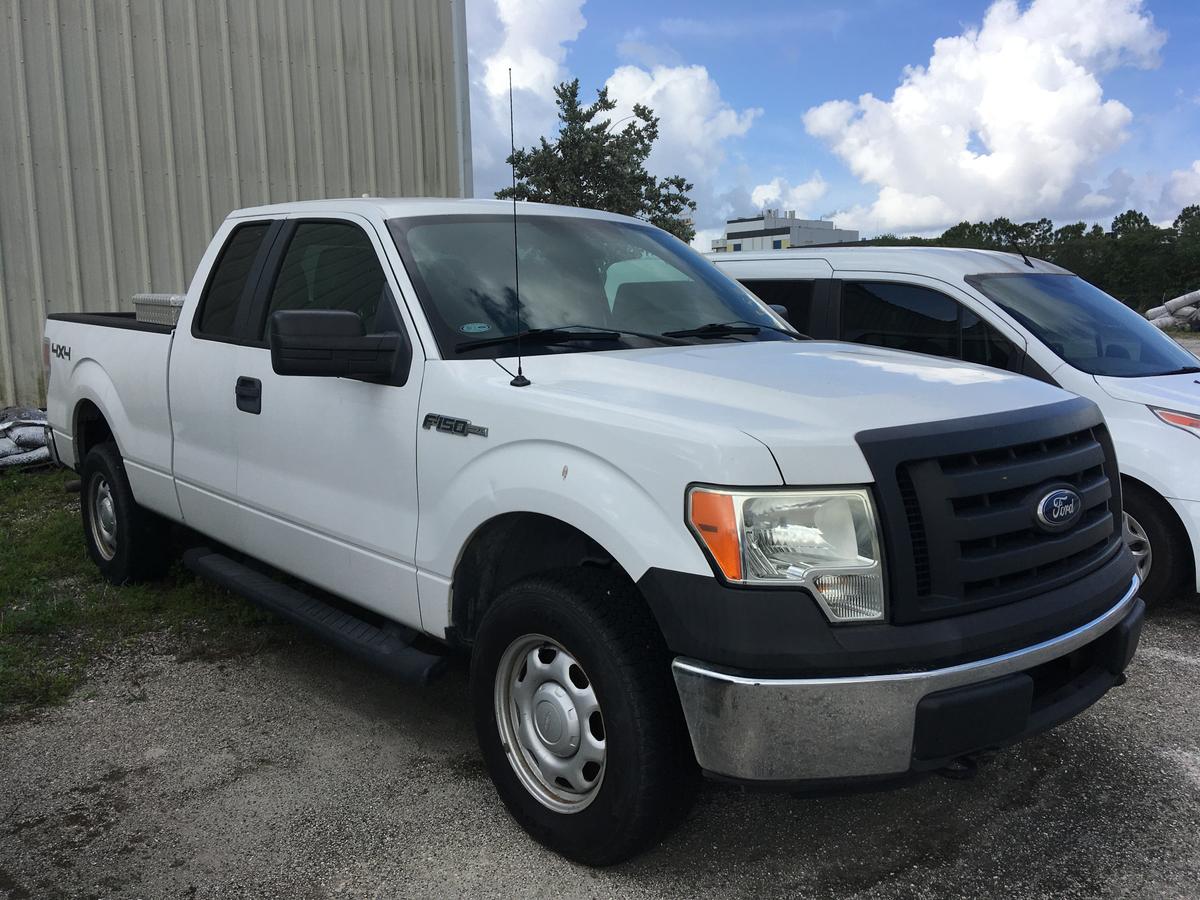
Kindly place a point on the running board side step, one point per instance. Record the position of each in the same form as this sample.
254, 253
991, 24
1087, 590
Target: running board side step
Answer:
387, 648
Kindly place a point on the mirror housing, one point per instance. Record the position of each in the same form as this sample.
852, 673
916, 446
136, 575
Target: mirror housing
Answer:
781, 311
329, 343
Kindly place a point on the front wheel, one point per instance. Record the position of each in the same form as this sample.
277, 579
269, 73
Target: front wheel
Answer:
1158, 543
577, 716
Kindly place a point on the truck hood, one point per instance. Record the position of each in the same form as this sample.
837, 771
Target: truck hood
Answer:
1177, 392
804, 400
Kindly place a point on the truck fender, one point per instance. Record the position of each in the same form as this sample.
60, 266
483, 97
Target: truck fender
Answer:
556, 480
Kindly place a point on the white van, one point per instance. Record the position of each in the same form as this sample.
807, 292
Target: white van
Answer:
1028, 316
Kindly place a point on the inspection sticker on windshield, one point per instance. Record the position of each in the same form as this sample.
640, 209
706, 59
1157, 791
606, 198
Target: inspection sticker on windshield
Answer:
475, 328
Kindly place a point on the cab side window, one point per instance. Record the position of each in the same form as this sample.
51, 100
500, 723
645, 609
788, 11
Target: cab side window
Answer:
223, 295
333, 265
920, 320
794, 295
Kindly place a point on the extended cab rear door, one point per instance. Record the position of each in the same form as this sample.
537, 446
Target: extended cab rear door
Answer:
201, 381
327, 466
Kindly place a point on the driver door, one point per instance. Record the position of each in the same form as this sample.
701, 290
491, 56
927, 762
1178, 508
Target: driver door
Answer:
327, 477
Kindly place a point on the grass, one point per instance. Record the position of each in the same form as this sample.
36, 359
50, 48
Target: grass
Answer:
58, 616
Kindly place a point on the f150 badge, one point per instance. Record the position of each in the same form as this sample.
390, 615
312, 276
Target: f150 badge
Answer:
451, 425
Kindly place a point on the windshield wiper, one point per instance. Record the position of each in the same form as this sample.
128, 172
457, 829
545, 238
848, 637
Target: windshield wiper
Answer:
738, 326
539, 336
1183, 370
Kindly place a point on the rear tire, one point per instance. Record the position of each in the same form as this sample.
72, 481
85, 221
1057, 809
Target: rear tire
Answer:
125, 541
1159, 544
577, 716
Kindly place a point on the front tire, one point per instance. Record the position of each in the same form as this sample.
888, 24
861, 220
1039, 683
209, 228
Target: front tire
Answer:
577, 716
125, 541
1158, 543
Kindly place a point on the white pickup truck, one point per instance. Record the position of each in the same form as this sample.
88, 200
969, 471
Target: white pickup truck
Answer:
673, 535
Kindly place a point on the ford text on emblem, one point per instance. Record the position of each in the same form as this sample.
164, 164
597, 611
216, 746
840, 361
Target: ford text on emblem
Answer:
1059, 510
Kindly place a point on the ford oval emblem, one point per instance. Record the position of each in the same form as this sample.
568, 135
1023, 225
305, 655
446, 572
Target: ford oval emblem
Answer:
1059, 509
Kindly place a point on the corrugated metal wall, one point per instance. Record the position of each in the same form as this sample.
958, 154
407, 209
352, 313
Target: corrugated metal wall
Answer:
130, 128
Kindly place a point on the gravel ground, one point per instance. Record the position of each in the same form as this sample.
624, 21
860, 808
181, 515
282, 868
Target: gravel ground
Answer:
298, 772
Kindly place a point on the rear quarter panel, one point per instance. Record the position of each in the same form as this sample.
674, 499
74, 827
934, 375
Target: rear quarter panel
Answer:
124, 373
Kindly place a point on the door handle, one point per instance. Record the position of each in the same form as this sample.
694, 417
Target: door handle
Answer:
248, 393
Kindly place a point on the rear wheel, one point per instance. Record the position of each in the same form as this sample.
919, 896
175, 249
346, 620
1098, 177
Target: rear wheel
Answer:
1158, 543
577, 716
124, 540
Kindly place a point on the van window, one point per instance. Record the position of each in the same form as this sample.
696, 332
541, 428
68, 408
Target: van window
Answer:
330, 265
899, 316
920, 320
1085, 327
795, 295
223, 294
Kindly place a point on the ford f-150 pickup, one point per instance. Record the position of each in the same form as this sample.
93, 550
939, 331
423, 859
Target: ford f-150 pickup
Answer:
674, 535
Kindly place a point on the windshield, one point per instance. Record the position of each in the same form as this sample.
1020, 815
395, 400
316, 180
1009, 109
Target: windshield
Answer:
1084, 326
575, 273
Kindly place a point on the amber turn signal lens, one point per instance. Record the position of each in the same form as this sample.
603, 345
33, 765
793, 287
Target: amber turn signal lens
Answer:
712, 518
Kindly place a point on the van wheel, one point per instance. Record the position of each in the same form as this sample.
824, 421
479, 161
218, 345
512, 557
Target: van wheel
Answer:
577, 716
124, 540
1158, 544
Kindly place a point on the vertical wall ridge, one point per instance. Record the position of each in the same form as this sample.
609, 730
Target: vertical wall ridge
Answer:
131, 128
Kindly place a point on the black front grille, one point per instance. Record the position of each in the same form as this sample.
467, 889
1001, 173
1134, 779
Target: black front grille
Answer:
961, 525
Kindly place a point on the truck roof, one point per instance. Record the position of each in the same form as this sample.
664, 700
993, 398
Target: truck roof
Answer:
944, 262
409, 207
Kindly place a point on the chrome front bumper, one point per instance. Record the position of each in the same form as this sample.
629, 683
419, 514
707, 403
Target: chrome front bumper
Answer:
795, 730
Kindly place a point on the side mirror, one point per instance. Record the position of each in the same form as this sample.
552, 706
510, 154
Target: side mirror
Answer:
329, 342
780, 310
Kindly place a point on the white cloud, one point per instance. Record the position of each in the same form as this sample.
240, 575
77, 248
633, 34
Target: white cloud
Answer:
1183, 187
694, 120
1005, 119
530, 36
782, 194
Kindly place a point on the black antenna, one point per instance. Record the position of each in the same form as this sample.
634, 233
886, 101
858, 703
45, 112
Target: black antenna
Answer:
1015, 246
519, 380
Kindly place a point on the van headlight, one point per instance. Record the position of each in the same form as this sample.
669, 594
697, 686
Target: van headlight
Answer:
824, 540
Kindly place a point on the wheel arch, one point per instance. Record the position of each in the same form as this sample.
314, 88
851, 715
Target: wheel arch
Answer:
89, 428
1185, 542
512, 546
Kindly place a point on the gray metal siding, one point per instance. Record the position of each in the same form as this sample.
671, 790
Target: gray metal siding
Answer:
130, 128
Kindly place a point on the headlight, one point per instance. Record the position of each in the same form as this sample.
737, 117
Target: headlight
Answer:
1186, 421
826, 541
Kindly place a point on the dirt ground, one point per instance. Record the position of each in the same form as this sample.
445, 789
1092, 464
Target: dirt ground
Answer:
297, 772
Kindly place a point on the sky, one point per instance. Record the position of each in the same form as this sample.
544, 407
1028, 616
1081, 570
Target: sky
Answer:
889, 116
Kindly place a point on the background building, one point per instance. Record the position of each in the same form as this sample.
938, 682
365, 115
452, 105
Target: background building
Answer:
130, 128
775, 230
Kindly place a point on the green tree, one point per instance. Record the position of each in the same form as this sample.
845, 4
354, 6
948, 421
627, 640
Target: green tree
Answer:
589, 164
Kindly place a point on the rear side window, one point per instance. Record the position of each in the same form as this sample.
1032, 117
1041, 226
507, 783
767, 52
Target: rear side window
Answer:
331, 265
223, 295
921, 320
796, 296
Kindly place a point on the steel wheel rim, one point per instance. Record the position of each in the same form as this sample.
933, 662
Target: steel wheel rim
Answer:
102, 517
551, 726
1139, 546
